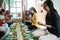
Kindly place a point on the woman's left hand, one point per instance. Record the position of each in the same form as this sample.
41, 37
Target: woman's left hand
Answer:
49, 26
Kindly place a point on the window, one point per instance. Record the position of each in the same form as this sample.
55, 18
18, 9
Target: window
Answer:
16, 8
13, 10
19, 4
6, 4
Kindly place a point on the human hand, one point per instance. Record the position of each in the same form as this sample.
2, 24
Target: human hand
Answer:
48, 26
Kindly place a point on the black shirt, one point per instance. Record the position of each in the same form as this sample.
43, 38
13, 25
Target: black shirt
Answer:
53, 19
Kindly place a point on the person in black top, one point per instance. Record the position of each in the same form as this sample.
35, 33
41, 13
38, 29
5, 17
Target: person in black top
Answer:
52, 18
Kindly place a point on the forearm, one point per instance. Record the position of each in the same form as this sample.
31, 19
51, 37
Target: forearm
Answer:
49, 26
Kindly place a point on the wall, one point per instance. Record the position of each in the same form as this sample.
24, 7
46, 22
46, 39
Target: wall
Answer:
40, 10
57, 5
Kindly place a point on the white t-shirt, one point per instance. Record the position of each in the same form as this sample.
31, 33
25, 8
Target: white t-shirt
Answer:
4, 27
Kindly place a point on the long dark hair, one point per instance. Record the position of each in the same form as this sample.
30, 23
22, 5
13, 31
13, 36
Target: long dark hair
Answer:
50, 4
32, 8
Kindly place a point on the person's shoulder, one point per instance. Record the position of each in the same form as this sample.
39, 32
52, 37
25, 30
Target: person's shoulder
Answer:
56, 13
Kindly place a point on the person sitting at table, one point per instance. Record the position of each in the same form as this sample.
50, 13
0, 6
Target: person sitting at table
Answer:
33, 24
52, 19
8, 18
2, 19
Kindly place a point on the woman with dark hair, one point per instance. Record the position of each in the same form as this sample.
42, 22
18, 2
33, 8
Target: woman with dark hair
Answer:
52, 18
32, 12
